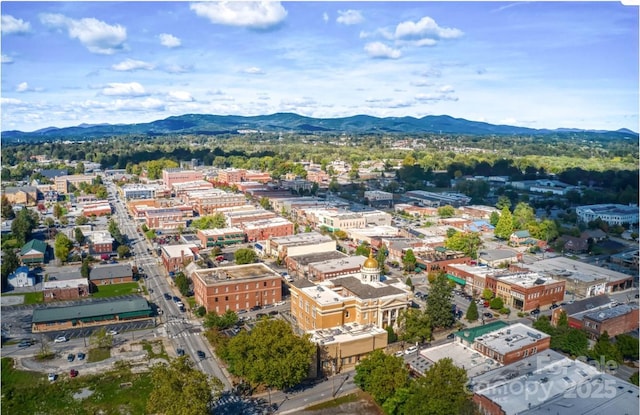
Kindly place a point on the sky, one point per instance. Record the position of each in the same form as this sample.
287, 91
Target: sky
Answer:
530, 64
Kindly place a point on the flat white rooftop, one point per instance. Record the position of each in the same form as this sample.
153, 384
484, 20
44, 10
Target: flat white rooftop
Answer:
177, 251
571, 269
343, 334
513, 337
474, 362
528, 279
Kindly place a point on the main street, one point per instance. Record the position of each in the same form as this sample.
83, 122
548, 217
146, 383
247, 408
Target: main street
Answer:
183, 332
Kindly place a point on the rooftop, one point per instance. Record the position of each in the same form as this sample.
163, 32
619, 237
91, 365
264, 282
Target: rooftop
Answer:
74, 283
367, 291
94, 309
339, 264
462, 356
317, 257
101, 272
611, 312
470, 334
220, 231
309, 238
527, 279
265, 223
343, 334
569, 269
545, 380
177, 251
513, 337
213, 276
586, 304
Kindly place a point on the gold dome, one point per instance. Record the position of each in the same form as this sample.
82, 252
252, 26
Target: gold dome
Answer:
370, 262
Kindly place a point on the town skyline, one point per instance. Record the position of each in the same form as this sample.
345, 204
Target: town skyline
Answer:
68, 63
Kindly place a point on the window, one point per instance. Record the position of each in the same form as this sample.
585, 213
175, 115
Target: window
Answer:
237, 297
265, 284
346, 314
226, 298
226, 288
215, 300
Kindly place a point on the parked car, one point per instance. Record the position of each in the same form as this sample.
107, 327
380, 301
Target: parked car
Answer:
201, 354
176, 299
73, 373
24, 343
451, 335
71, 357
488, 315
112, 333
278, 303
255, 308
81, 356
535, 312
52, 377
273, 312
167, 296
399, 353
553, 306
180, 352
60, 339
411, 349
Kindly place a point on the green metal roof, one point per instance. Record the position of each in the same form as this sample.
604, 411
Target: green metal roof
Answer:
458, 280
93, 310
36, 244
470, 334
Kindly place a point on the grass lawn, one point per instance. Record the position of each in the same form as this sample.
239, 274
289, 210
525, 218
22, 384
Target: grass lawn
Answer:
114, 290
29, 298
31, 393
98, 354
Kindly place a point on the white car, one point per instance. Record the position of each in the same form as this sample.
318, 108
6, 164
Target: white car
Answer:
399, 353
280, 303
112, 333
411, 349
52, 377
60, 339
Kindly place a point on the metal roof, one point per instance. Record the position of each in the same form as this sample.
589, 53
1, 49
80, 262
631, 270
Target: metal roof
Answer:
109, 308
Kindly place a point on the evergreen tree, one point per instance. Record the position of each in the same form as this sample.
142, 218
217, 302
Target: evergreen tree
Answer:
7, 208
439, 302
10, 262
494, 218
79, 236
472, 312
23, 225
504, 228
85, 269
62, 247
381, 257
523, 216
409, 260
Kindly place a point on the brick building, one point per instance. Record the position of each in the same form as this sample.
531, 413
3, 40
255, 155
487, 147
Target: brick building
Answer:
299, 264
512, 343
166, 218
220, 237
63, 183
615, 320
230, 176
332, 268
300, 244
176, 257
177, 175
267, 228
25, 195
236, 288
240, 217
97, 208
206, 202
65, 289
526, 291
100, 242
111, 274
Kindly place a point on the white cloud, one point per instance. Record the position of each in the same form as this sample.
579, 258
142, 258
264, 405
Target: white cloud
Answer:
325, 17
132, 65
132, 89
7, 59
253, 15
349, 17
508, 121
435, 97
421, 82
380, 50
11, 25
298, 102
96, 35
446, 89
22, 87
253, 71
10, 101
169, 41
137, 105
424, 32
175, 68
182, 96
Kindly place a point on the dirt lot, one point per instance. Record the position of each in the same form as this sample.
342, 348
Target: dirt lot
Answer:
363, 406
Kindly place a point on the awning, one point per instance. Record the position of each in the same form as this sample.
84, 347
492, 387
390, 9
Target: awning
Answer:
457, 280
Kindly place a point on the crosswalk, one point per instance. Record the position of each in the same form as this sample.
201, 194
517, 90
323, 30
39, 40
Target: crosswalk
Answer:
173, 325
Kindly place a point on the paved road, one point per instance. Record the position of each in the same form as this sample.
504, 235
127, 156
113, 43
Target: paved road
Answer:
183, 331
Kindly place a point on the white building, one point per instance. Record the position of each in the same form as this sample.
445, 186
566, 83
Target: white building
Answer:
612, 214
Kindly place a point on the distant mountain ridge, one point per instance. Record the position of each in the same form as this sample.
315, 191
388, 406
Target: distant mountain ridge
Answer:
291, 122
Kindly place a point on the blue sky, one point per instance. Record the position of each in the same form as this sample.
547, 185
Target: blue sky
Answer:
532, 64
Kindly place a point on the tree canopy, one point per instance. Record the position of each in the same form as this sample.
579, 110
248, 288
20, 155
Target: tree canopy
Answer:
504, 227
216, 221
381, 375
245, 256
270, 355
181, 389
62, 247
439, 302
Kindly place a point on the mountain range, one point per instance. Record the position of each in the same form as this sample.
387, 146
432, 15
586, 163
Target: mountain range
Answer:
294, 123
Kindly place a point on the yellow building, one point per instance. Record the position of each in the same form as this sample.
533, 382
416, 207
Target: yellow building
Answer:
361, 299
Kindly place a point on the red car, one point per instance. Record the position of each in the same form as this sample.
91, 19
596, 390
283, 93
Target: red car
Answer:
73, 373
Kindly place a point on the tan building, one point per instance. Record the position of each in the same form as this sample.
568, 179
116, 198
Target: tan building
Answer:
65, 289
341, 348
300, 244
236, 288
267, 228
177, 175
62, 183
364, 300
26, 195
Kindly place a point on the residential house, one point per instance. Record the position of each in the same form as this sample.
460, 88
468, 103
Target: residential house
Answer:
21, 277
33, 252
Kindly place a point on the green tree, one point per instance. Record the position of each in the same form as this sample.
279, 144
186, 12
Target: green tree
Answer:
363, 249
220, 322
472, 312
604, 349
409, 260
7, 208
85, 269
334, 187
78, 235
215, 221
79, 168
182, 282
496, 304
10, 262
270, 355
467, 242
523, 216
494, 218
181, 389
415, 325
123, 251
446, 211
265, 203
82, 220
245, 256
441, 391
627, 346
487, 294
58, 211
62, 247
381, 375
340, 234
504, 228
381, 257
439, 302
503, 202
391, 335
23, 225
